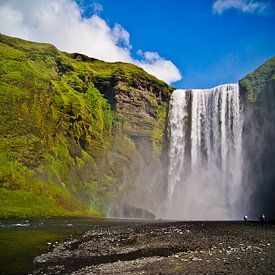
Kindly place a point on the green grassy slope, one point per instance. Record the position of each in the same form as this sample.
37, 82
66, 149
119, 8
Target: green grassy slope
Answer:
257, 83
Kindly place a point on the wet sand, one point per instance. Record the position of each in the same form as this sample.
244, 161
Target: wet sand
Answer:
165, 248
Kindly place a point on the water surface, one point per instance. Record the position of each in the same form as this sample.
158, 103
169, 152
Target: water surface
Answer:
23, 239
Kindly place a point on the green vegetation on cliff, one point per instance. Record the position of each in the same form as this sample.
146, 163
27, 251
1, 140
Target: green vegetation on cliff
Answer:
258, 90
66, 133
256, 83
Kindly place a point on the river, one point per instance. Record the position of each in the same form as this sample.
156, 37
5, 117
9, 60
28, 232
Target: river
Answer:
23, 239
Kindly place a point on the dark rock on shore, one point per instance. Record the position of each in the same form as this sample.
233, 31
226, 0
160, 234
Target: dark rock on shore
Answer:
129, 211
166, 248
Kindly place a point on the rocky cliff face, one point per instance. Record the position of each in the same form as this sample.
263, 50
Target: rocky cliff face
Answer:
74, 131
258, 91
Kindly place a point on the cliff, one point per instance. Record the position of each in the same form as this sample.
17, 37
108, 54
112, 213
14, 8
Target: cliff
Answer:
75, 132
258, 92
259, 85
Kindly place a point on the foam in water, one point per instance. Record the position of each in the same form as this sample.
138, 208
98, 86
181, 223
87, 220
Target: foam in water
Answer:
205, 173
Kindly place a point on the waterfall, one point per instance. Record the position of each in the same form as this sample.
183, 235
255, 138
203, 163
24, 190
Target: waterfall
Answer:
205, 172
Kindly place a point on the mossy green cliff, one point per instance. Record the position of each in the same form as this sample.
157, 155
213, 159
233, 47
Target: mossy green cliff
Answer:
73, 129
256, 85
258, 92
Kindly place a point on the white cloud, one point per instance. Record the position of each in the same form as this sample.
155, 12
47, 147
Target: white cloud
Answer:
245, 6
61, 23
121, 36
157, 65
97, 8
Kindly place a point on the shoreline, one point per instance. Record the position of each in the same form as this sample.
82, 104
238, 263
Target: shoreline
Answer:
165, 247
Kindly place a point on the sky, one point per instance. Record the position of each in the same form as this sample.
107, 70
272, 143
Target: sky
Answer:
189, 44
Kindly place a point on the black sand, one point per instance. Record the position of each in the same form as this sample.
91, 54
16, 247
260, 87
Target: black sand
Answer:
166, 248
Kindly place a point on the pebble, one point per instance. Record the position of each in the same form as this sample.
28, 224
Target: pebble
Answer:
229, 254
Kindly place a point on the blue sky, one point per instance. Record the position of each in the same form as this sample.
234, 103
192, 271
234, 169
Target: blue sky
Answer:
208, 48
203, 43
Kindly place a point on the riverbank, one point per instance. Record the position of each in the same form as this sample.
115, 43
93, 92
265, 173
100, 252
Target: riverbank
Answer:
21, 240
167, 248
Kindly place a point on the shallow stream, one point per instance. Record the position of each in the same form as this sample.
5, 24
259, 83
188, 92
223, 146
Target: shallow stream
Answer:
23, 239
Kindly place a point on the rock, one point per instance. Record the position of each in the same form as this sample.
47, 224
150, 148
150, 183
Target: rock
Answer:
129, 211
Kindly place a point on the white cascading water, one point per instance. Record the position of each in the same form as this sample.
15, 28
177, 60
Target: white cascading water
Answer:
205, 173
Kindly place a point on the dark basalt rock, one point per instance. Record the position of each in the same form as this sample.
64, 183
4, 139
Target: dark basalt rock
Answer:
128, 211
